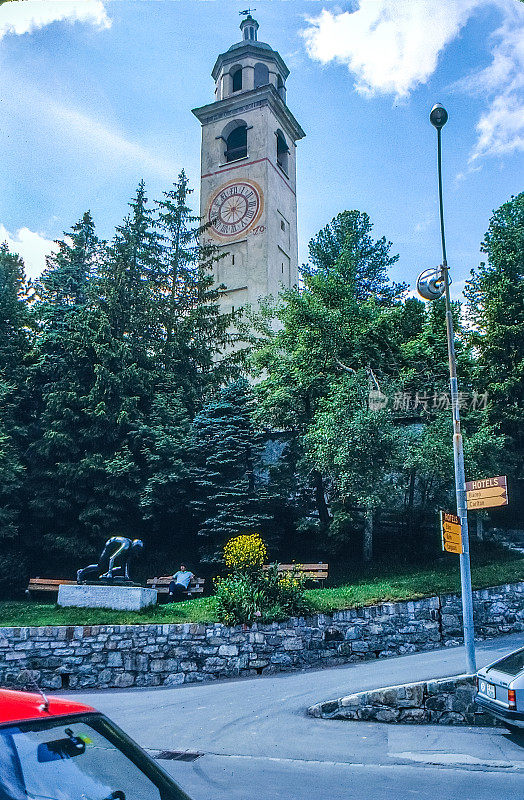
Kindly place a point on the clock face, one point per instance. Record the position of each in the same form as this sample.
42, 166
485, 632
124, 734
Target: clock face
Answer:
235, 208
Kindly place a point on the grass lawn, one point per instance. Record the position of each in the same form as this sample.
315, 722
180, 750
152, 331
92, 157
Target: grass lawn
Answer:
361, 587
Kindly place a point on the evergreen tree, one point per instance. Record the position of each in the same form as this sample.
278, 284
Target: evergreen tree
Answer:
225, 452
14, 348
61, 375
495, 294
361, 261
14, 315
194, 332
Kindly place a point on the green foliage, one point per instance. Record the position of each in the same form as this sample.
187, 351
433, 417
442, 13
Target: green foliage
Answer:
111, 359
122, 412
361, 262
242, 599
251, 592
495, 294
357, 448
229, 498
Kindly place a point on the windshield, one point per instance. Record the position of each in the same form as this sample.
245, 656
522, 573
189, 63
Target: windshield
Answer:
511, 665
77, 759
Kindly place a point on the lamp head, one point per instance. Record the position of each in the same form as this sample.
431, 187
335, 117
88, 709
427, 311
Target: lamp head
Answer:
430, 284
438, 116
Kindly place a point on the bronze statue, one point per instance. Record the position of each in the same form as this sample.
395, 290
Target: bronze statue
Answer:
118, 548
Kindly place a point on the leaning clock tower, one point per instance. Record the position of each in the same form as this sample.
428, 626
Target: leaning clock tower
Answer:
248, 163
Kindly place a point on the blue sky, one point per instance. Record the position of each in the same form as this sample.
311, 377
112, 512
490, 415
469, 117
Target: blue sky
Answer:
96, 95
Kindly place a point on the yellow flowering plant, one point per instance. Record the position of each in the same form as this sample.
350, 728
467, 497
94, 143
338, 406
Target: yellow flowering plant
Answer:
245, 553
252, 593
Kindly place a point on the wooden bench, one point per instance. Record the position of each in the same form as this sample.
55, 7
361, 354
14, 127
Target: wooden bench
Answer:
162, 585
45, 585
312, 572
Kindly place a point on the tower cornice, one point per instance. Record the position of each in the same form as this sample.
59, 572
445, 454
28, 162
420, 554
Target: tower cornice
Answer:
246, 101
255, 49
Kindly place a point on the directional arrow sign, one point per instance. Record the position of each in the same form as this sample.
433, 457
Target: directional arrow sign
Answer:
487, 502
487, 483
480, 494
487, 493
453, 538
450, 531
453, 548
450, 527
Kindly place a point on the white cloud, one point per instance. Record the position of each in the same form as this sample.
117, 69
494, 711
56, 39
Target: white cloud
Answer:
32, 247
25, 17
391, 46
501, 125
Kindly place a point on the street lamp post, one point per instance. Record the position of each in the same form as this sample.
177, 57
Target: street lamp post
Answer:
432, 284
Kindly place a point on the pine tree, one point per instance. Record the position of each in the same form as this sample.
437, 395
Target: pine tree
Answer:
225, 451
14, 348
187, 301
495, 294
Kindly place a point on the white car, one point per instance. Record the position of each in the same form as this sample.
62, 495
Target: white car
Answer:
500, 689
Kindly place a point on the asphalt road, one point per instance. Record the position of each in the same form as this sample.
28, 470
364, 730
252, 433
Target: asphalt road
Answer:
259, 744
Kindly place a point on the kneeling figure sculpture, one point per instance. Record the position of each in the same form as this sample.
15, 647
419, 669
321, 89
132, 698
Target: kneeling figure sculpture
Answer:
117, 549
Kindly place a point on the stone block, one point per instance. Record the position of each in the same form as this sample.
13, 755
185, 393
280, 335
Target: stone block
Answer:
293, 644
120, 598
114, 659
228, 650
174, 679
413, 695
360, 647
436, 703
413, 715
124, 679
372, 713
354, 700
329, 707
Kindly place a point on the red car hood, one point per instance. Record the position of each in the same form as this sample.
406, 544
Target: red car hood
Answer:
19, 706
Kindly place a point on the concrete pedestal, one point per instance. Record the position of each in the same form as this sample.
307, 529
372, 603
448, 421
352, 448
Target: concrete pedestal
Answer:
119, 598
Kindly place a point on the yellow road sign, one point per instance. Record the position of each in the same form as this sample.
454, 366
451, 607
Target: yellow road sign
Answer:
450, 532
453, 538
451, 527
487, 502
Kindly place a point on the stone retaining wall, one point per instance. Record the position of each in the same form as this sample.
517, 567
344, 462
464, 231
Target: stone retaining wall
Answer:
445, 701
152, 655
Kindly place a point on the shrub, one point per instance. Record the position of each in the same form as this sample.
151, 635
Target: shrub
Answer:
238, 599
250, 593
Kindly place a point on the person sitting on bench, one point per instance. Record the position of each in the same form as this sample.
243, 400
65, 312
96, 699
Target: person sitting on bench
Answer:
180, 583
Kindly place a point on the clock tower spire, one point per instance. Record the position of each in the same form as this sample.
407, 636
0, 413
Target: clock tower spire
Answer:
248, 171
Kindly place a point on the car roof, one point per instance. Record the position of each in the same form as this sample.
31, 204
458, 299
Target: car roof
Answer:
19, 706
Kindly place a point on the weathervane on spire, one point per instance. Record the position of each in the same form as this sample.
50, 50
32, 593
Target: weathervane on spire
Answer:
248, 26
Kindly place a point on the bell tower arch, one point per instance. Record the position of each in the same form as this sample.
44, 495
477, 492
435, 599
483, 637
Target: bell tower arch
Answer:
248, 171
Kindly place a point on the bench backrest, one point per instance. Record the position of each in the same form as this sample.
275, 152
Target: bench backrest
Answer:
317, 572
47, 584
162, 584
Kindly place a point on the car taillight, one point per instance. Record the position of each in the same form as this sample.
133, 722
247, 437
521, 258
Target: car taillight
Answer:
512, 698
477, 683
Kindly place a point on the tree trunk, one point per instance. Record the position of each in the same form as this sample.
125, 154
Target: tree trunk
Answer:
367, 553
480, 527
320, 499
